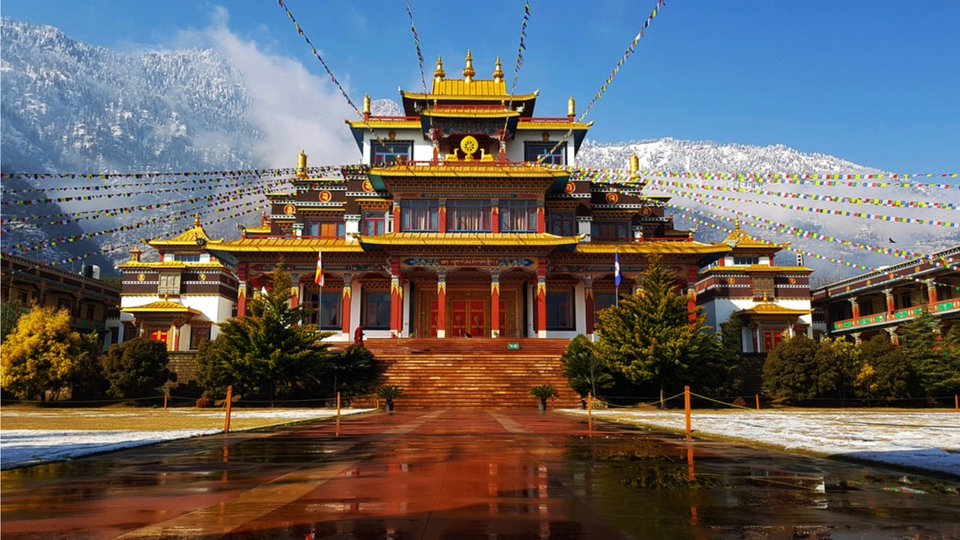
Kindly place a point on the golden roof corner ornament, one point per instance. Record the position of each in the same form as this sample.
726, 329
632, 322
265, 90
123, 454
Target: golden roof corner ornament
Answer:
634, 165
366, 107
438, 74
135, 254
498, 71
302, 164
468, 71
571, 108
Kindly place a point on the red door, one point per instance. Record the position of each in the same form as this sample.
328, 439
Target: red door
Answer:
475, 318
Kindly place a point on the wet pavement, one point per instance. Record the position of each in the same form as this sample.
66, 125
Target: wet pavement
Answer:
463, 474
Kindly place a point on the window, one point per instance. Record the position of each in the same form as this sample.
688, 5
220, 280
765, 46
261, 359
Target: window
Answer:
533, 150
186, 257
325, 229
90, 311
763, 286
518, 216
328, 317
563, 223
198, 336
746, 261
383, 154
609, 230
560, 310
168, 284
374, 223
376, 310
419, 216
468, 216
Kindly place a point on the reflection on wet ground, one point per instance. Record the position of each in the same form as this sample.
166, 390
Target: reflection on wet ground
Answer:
468, 474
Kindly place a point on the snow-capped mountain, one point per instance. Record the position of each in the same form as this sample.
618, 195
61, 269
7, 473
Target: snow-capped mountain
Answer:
72, 107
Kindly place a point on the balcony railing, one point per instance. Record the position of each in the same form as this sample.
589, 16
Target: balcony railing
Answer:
940, 308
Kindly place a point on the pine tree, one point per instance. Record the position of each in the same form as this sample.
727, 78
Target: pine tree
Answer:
40, 354
584, 372
937, 373
886, 374
269, 352
647, 337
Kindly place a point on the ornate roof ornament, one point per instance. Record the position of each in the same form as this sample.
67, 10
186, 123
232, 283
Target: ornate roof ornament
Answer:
498, 71
439, 74
468, 71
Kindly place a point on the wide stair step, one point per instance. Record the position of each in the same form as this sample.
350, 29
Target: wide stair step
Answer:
472, 373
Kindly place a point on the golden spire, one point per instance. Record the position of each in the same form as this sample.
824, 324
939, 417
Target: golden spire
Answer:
302, 164
468, 71
571, 107
438, 73
366, 107
736, 224
196, 219
498, 71
634, 165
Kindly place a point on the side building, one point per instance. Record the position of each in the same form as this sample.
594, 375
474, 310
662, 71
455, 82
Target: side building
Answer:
879, 302
771, 302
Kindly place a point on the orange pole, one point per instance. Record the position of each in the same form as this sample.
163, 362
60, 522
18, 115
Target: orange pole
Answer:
956, 402
338, 406
686, 406
758, 401
166, 398
590, 412
226, 422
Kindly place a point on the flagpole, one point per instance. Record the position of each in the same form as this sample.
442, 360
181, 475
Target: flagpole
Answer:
616, 276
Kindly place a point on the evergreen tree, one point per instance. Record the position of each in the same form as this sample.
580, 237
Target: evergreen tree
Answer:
269, 352
353, 371
791, 371
584, 372
937, 373
40, 355
87, 381
838, 363
885, 374
648, 338
136, 369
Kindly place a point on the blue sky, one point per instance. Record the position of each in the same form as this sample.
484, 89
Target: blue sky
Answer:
872, 81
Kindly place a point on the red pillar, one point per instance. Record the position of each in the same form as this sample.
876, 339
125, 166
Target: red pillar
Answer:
442, 218
542, 298
495, 219
176, 335
345, 302
855, 308
888, 294
495, 305
396, 217
541, 220
691, 306
396, 297
441, 305
589, 301
242, 291
931, 292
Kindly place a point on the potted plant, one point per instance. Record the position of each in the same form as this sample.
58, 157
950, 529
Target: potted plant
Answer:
543, 392
388, 393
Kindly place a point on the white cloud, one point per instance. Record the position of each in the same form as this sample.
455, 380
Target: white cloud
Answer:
293, 108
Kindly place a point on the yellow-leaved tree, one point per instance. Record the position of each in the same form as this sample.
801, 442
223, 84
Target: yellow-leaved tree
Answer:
40, 354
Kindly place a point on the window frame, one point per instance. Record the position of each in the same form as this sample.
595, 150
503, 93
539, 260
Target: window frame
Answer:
558, 157
455, 206
384, 300
431, 206
554, 309
389, 154
337, 325
530, 208
168, 283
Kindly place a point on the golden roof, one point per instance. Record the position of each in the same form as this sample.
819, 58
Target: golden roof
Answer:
258, 230
772, 309
469, 112
161, 306
195, 236
478, 170
384, 123
479, 90
757, 269
739, 239
539, 125
290, 245
171, 265
469, 239
652, 248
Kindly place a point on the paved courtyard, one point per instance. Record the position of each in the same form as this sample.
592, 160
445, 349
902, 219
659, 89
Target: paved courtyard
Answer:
467, 474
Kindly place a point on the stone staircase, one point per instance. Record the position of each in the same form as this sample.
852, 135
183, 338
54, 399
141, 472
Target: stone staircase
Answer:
472, 373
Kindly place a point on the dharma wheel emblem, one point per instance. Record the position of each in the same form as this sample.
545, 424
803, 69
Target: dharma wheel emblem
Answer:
612, 198
202, 277
289, 209
569, 188
367, 186
141, 277
325, 196
469, 145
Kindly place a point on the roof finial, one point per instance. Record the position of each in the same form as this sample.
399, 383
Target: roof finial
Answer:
634, 165
468, 71
366, 107
196, 219
736, 224
438, 74
571, 108
301, 164
498, 71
